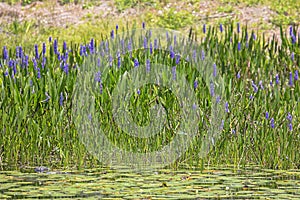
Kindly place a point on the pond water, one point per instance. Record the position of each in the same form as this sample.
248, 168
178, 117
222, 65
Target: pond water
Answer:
122, 183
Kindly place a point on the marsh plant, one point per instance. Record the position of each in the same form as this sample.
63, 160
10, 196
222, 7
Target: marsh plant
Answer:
231, 97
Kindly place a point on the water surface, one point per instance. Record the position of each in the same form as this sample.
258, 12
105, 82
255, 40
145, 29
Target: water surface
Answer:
123, 183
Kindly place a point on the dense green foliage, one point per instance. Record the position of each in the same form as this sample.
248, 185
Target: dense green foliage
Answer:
261, 76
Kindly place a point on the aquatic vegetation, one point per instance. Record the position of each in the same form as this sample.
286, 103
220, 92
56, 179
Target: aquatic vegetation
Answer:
262, 118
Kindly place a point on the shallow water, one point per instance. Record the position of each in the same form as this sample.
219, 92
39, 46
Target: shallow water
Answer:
122, 183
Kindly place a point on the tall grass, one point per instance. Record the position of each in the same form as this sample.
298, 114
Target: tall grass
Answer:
261, 90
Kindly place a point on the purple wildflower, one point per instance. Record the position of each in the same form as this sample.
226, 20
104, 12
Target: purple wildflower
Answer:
50, 39
267, 115
5, 53
293, 39
119, 61
112, 35
117, 27
151, 49
177, 59
155, 44
261, 85
143, 25
145, 43
222, 125
55, 47
291, 79
61, 99
136, 63
215, 70
195, 84
38, 73
226, 107
289, 117
64, 46
290, 126
221, 28
66, 68
98, 77
292, 56
204, 28
291, 31
212, 89
239, 46
218, 99
92, 46
172, 54
174, 72
138, 91
202, 55
296, 77
147, 65
255, 88
272, 122
20, 52
36, 51
98, 62
277, 79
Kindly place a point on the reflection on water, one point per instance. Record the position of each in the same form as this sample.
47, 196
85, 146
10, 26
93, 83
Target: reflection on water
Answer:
122, 183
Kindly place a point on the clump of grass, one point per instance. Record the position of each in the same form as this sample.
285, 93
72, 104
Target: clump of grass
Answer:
261, 76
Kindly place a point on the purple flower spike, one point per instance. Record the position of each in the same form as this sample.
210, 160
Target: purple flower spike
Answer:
255, 88
226, 107
44, 49
172, 54
221, 28
293, 39
291, 79
136, 63
277, 79
215, 70
177, 59
267, 115
55, 47
296, 77
138, 91
61, 99
5, 53
238, 75
195, 84
119, 61
174, 72
112, 35
98, 77
212, 89
292, 56
239, 46
65, 46
261, 85
143, 25
151, 48
291, 31
289, 117
148, 65
272, 122
36, 51
290, 126
204, 28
